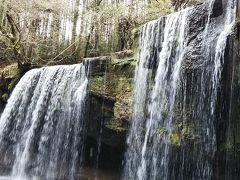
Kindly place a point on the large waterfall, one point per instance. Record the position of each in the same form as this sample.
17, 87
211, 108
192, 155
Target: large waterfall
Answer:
173, 133
42, 128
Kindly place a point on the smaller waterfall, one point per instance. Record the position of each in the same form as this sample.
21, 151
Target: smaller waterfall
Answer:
149, 33
42, 128
147, 146
229, 21
163, 98
210, 7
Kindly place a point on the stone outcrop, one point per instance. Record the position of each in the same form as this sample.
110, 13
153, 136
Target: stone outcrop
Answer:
111, 99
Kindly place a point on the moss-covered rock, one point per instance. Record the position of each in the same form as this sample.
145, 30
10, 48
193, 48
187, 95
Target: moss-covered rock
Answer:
10, 75
111, 94
175, 139
116, 84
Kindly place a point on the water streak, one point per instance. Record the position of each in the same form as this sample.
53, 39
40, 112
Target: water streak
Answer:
42, 128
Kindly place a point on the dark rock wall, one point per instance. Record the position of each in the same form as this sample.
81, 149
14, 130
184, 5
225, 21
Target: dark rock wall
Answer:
109, 109
226, 162
228, 124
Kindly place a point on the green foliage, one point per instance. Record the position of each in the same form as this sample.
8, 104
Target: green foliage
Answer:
50, 32
155, 9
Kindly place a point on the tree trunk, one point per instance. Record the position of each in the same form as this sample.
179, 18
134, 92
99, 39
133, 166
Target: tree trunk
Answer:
75, 20
88, 42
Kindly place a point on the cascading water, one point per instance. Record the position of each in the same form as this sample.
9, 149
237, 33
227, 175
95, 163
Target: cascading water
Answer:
146, 143
164, 89
210, 7
222, 40
42, 128
172, 134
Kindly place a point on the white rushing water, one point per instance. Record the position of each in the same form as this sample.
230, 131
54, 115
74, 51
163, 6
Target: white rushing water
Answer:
210, 8
229, 21
42, 128
172, 133
142, 75
164, 89
167, 35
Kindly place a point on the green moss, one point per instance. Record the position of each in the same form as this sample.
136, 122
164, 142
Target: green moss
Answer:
13, 83
15, 75
14, 72
97, 83
134, 62
104, 85
5, 96
123, 105
135, 34
117, 84
175, 138
162, 131
115, 126
12, 75
180, 133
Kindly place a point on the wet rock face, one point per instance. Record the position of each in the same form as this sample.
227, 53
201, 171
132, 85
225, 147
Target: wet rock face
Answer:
10, 75
1, 108
110, 105
98, 64
228, 124
111, 101
197, 21
217, 8
238, 10
101, 115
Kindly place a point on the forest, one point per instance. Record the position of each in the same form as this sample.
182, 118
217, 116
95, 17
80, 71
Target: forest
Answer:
59, 31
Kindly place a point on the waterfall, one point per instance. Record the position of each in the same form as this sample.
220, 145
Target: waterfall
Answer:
210, 7
42, 128
172, 133
222, 40
166, 37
